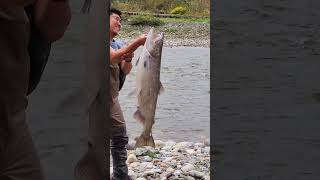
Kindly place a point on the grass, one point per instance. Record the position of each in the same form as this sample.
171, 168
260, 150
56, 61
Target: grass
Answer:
145, 21
162, 21
187, 20
192, 7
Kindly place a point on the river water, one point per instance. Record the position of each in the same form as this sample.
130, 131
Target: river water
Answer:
183, 110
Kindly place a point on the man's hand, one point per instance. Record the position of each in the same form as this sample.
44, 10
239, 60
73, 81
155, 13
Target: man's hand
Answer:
127, 57
142, 39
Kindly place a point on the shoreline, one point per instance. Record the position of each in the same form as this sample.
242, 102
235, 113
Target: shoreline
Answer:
169, 160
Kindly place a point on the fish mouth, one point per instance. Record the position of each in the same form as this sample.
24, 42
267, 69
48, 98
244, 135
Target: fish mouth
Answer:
159, 39
153, 38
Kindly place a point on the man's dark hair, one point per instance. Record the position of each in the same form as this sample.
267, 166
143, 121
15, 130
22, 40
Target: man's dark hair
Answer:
114, 11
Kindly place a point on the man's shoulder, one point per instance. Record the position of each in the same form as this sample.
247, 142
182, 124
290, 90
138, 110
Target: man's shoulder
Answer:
117, 44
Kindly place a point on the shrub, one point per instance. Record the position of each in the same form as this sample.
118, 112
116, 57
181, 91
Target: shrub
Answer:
179, 10
145, 20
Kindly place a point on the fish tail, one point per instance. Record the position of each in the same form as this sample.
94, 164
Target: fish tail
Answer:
138, 116
142, 141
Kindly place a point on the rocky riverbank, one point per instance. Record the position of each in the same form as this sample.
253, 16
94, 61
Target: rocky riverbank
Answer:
191, 34
170, 160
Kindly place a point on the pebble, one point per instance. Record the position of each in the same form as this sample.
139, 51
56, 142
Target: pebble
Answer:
187, 168
147, 159
196, 174
132, 158
170, 160
196, 35
177, 173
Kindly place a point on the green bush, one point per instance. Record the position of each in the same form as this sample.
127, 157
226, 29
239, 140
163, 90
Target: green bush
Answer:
179, 10
145, 20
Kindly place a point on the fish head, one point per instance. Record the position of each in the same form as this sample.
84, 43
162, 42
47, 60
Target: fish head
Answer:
154, 43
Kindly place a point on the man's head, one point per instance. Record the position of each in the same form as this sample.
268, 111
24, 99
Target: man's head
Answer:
115, 22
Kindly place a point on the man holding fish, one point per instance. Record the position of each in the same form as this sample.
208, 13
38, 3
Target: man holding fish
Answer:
120, 65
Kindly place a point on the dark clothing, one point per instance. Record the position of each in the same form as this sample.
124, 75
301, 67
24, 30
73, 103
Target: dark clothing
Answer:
119, 138
116, 112
18, 157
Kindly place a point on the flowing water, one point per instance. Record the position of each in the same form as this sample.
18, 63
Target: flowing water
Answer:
183, 110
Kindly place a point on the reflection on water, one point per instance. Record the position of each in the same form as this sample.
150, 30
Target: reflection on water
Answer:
183, 110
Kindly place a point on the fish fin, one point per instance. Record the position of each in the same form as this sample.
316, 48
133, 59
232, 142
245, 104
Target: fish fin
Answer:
138, 116
147, 66
161, 89
142, 141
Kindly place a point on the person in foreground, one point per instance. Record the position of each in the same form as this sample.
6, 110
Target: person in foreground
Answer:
120, 65
18, 157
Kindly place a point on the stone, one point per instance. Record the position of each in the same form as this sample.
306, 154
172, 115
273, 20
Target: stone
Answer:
168, 159
147, 159
148, 173
187, 168
159, 144
170, 170
177, 173
170, 143
206, 142
189, 178
132, 158
141, 178
199, 145
132, 174
206, 150
196, 174
163, 165
140, 151
134, 164
183, 145
190, 151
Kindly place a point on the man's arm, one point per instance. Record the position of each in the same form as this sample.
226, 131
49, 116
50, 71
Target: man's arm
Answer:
115, 55
126, 64
14, 3
52, 17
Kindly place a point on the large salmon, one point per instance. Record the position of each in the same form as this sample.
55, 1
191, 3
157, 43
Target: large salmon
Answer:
148, 86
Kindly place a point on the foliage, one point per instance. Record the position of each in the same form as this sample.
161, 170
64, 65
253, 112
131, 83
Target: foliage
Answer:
193, 7
145, 20
179, 10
